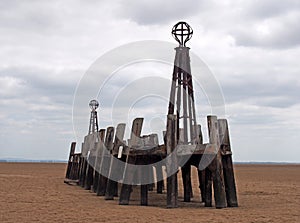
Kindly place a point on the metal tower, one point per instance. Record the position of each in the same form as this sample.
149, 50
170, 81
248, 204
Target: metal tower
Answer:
181, 101
94, 104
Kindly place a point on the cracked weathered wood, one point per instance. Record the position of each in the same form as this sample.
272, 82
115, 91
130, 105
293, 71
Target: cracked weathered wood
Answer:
216, 167
171, 163
128, 172
112, 186
105, 161
99, 148
228, 172
70, 160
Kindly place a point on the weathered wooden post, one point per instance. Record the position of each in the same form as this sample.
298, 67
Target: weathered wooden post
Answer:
159, 183
84, 152
112, 186
70, 160
230, 187
216, 167
171, 165
91, 160
131, 159
74, 170
99, 148
105, 161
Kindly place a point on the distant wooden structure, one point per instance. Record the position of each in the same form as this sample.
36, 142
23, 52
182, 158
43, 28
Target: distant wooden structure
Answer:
105, 153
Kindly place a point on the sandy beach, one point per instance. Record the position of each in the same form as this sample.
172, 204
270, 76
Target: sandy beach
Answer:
35, 192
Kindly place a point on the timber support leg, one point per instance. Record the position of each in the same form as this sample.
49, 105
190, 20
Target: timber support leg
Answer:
160, 183
126, 188
216, 165
186, 179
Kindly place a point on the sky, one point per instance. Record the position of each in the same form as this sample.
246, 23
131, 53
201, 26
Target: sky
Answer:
251, 47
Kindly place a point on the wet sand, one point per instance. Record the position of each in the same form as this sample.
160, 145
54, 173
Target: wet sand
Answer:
35, 192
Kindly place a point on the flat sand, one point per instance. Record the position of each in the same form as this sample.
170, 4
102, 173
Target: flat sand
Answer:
35, 192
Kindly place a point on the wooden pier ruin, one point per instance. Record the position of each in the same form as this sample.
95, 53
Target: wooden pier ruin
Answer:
107, 160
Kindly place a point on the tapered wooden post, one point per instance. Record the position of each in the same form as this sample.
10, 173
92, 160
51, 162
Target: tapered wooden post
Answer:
208, 188
99, 149
146, 175
112, 186
90, 161
160, 183
229, 180
172, 165
187, 185
105, 161
201, 178
70, 161
84, 153
216, 165
131, 159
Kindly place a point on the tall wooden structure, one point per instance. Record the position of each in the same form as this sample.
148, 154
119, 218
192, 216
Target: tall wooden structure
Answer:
93, 127
181, 102
107, 159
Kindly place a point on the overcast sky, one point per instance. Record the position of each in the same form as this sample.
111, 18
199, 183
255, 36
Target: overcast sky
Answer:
252, 48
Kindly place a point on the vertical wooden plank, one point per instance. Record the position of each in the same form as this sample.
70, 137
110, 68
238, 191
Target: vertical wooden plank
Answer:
126, 189
90, 162
186, 179
131, 159
80, 169
145, 187
99, 148
105, 161
216, 165
208, 188
229, 179
172, 165
74, 171
201, 173
79, 166
151, 177
84, 153
112, 186
160, 183
201, 178
71, 154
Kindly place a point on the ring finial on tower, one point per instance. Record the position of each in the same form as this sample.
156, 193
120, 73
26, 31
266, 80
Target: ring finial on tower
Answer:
182, 32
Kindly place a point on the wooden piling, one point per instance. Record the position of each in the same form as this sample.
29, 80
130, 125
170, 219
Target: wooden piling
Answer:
131, 159
99, 148
105, 162
186, 179
208, 188
216, 165
112, 186
69, 167
160, 183
172, 165
90, 161
229, 179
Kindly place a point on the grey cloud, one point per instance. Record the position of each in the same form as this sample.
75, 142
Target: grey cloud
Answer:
267, 94
146, 12
269, 24
41, 81
269, 8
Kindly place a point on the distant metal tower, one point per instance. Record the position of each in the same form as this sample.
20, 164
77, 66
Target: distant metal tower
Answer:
94, 104
181, 101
